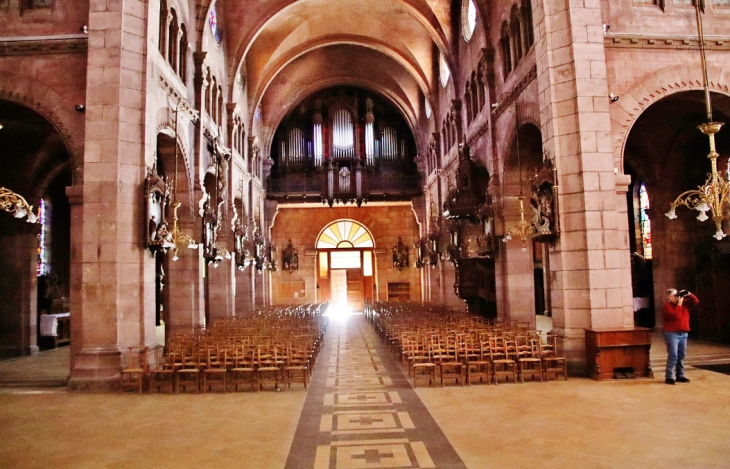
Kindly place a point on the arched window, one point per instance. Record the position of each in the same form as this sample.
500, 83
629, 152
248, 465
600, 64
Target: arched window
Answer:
183, 54
343, 135
516, 34
505, 48
475, 95
163, 29
444, 71
220, 106
529, 37
345, 234
208, 90
645, 222
212, 111
172, 43
467, 102
468, 19
480, 84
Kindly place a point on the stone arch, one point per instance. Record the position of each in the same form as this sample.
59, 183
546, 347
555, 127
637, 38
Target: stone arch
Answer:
59, 112
652, 88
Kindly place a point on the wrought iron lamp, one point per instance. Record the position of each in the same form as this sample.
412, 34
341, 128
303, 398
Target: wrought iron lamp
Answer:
177, 237
16, 205
714, 195
523, 229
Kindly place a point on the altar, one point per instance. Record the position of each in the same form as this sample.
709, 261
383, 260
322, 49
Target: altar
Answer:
56, 328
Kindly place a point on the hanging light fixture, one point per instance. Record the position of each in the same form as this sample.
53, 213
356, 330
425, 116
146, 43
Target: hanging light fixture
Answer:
713, 195
523, 229
178, 238
16, 205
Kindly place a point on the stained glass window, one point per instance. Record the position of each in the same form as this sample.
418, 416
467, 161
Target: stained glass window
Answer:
645, 222
214, 27
42, 250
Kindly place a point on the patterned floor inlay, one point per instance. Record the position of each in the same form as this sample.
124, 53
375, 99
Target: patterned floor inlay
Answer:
361, 411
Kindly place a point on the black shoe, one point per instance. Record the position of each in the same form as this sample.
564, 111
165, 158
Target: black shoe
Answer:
682, 379
670, 381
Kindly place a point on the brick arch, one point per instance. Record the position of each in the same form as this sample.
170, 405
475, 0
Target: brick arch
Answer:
59, 112
653, 87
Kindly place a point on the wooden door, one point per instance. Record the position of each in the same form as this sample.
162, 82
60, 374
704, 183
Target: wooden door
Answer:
355, 290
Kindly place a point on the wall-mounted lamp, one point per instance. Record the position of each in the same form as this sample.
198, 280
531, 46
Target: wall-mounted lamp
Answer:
606, 28
613, 97
80, 108
16, 205
84, 29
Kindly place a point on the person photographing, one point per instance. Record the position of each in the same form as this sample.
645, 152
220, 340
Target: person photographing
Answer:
676, 330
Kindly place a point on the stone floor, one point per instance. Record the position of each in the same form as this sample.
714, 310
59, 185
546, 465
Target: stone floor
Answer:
581, 423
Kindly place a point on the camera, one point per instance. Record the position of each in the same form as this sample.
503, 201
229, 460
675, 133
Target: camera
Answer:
682, 293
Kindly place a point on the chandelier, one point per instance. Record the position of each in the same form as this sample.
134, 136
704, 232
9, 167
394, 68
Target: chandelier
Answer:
523, 229
713, 195
16, 205
177, 238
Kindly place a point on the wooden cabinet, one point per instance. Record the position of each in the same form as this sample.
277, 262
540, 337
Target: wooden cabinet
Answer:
626, 349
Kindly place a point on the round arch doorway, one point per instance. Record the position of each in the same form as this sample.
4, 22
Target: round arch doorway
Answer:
345, 265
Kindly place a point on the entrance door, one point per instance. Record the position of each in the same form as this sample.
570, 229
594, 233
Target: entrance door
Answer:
338, 285
355, 287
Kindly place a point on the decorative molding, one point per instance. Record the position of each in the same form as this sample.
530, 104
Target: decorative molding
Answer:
44, 45
651, 89
642, 41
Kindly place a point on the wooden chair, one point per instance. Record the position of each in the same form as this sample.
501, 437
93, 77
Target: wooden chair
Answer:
528, 356
189, 373
422, 365
479, 364
268, 366
244, 368
215, 373
449, 365
502, 352
160, 374
132, 376
551, 361
297, 365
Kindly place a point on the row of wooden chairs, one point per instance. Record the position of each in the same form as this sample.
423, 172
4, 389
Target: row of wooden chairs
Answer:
268, 347
437, 345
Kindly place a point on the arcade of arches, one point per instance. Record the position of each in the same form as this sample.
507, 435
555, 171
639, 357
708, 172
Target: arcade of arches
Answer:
197, 160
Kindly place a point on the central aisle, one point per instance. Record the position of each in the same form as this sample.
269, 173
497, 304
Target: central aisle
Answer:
361, 411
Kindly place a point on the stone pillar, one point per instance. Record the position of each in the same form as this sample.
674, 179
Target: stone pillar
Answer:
244, 295
591, 275
185, 281
113, 310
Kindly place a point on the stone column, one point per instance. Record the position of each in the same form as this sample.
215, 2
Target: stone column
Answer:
591, 276
113, 311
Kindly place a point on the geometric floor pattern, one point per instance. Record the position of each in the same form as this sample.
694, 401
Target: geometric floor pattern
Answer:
361, 411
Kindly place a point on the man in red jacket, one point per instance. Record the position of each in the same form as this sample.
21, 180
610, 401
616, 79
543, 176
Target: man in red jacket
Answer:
676, 328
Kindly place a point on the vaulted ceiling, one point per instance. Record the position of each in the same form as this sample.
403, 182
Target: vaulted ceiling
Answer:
288, 49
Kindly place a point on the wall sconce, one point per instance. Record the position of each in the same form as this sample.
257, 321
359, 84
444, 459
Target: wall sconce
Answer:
16, 205
614, 97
